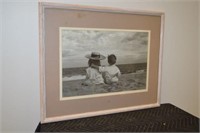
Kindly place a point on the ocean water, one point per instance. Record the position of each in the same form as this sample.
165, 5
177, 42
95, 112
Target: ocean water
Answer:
124, 68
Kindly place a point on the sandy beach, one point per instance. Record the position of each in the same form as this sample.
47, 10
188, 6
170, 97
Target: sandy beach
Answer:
127, 82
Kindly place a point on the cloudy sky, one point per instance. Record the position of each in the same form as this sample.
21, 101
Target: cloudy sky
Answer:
129, 46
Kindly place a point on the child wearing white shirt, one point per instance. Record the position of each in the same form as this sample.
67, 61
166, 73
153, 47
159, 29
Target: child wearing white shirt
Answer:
111, 72
93, 76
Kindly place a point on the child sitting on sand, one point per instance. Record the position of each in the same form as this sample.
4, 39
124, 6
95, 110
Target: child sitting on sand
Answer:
93, 76
111, 72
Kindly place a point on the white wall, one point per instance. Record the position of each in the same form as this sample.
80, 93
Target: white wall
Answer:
20, 56
0, 63
20, 67
180, 64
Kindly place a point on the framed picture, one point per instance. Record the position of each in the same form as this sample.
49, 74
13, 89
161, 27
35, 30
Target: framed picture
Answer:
97, 61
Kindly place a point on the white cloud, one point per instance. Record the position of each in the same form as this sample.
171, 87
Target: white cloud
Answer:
129, 47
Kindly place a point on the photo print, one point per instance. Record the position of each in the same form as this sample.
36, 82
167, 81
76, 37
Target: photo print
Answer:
97, 62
